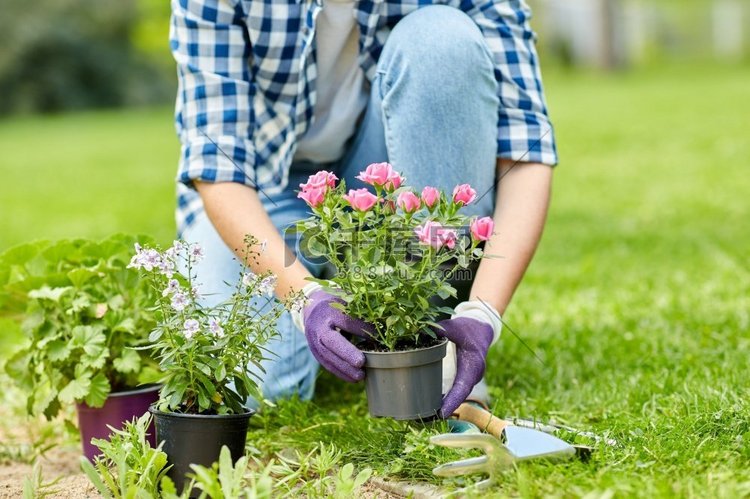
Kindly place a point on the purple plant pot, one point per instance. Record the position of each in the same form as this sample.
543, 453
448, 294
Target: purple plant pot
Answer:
119, 408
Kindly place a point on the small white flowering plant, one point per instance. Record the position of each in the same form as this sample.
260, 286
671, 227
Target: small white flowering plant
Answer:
205, 352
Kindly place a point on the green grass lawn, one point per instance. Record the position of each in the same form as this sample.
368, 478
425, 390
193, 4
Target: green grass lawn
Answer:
638, 301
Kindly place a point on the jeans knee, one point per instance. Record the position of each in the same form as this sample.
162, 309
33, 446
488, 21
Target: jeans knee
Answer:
441, 40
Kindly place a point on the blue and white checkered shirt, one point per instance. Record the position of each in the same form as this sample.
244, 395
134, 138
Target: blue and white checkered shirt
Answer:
247, 84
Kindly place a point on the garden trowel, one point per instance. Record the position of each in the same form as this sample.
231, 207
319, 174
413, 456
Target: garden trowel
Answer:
503, 445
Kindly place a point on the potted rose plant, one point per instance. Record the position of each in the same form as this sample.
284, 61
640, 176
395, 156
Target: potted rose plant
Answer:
204, 354
394, 250
84, 314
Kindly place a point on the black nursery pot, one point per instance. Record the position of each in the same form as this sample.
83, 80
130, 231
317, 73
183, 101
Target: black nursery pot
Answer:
407, 384
197, 439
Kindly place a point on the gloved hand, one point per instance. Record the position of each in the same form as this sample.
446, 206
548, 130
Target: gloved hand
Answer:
323, 326
473, 328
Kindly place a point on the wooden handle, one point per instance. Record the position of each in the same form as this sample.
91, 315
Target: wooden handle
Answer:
483, 419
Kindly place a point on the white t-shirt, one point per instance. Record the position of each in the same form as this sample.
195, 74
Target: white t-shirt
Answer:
340, 85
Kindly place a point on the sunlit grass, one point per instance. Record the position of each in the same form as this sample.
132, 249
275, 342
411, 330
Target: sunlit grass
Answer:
638, 301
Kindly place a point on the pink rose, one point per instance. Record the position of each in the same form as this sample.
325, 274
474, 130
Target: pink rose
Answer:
408, 201
433, 234
428, 234
464, 194
381, 175
313, 196
361, 199
320, 180
447, 237
481, 228
395, 181
430, 196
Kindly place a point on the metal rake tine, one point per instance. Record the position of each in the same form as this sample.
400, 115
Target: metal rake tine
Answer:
479, 464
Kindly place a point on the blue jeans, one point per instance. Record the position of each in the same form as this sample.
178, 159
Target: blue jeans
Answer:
432, 113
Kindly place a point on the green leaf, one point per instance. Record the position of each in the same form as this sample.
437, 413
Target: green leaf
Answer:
446, 290
168, 488
80, 275
76, 390
90, 338
125, 326
81, 302
129, 362
98, 391
93, 476
58, 350
43, 399
17, 368
220, 372
47, 293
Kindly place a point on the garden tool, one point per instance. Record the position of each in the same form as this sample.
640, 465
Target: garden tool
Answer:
520, 444
523, 443
556, 428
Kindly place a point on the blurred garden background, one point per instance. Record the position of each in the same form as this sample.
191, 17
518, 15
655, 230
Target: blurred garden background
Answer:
638, 301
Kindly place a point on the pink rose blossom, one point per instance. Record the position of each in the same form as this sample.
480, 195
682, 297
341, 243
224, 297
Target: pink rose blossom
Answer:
360, 199
408, 201
381, 175
447, 237
429, 234
313, 196
394, 181
481, 228
322, 179
435, 235
464, 194
430, 196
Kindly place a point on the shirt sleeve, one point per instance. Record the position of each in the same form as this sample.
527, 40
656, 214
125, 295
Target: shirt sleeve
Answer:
214, 112
525, 132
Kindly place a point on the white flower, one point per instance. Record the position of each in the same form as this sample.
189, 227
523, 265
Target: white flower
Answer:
298, 304
190, 327
134, 262
166, 267
172, 287
197, 253
216, 328
267, 285
179, 301
249, 278
145, 259
196, 292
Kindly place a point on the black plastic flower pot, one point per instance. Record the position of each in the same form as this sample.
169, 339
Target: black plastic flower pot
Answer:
119, 408
197, 439
405, 384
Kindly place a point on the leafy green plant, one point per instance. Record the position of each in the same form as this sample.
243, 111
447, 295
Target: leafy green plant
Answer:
128, 466
222, 480
393, 250
34, 486
84, 316
204, 351
302, 475
346, 483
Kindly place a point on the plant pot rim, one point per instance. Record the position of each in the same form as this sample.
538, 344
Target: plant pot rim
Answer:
442, 342
406, 358
150, 387
179, 415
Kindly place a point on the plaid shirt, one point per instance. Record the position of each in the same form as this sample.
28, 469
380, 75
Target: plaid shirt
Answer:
247, 84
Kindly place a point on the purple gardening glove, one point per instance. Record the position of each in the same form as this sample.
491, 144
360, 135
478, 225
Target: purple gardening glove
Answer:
473, 339
323, 327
